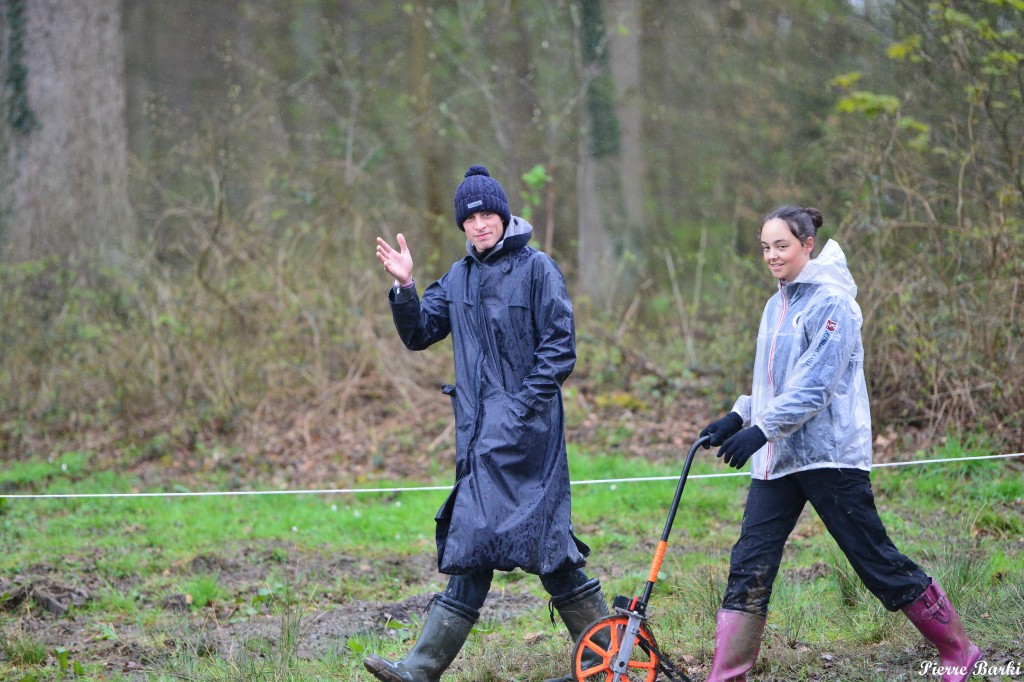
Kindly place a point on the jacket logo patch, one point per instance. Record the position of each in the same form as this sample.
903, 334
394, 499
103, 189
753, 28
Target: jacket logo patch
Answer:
830, 327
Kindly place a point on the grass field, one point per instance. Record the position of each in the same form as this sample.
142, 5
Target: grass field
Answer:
301, 586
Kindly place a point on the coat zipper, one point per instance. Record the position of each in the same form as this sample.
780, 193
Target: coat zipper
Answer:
771, 362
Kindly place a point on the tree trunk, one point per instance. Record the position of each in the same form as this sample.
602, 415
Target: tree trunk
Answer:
67, 159
520, 95
432, 184
597, 184
624, 60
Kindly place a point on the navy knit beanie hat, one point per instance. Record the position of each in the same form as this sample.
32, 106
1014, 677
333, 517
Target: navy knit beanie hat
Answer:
480, 192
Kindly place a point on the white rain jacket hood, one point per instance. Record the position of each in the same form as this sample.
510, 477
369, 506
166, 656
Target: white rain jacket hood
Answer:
809, 395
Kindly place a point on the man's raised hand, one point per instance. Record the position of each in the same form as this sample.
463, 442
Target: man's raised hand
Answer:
397, 263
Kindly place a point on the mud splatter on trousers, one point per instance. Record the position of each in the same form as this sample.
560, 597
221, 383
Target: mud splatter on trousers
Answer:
846, 505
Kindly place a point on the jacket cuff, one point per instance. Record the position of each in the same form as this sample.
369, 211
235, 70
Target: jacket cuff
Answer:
771, 434
743, 409
521, 408
400, 294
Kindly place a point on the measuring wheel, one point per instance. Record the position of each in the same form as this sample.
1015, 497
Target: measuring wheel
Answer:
621, 648
598, 647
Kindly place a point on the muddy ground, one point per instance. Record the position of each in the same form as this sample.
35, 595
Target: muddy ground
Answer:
39, 604
50, 606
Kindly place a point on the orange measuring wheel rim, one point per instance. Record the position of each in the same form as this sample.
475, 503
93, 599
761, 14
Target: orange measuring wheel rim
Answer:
599, 645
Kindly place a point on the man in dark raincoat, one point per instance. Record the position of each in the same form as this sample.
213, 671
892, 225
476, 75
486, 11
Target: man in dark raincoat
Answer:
507, 309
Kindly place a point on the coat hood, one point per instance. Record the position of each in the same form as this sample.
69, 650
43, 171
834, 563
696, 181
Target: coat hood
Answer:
829, 269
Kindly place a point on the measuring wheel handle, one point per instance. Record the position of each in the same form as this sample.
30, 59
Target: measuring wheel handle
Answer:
621, 648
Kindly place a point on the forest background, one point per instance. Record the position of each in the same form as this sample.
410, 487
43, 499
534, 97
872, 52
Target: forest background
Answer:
189, 302
191, 192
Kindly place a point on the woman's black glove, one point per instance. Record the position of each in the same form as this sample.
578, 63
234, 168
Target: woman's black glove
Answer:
720, 429
737, 450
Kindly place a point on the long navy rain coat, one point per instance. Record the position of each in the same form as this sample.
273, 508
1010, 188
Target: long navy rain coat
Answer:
514, 340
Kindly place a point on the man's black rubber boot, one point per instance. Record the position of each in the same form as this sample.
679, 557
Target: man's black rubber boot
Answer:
578, 609
444, 632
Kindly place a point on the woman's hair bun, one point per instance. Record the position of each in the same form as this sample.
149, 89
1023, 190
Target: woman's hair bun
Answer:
802, 222
816, 218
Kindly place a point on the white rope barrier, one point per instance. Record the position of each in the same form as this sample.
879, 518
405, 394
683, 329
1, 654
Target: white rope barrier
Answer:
350, 491
747, 474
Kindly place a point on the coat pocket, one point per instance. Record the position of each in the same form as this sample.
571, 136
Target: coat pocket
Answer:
449, 390
461, 461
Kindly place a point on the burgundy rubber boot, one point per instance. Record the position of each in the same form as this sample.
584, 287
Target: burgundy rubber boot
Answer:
933, 614
737, 644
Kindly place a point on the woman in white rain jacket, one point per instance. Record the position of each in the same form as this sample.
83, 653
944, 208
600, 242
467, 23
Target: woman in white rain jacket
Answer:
806, 427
